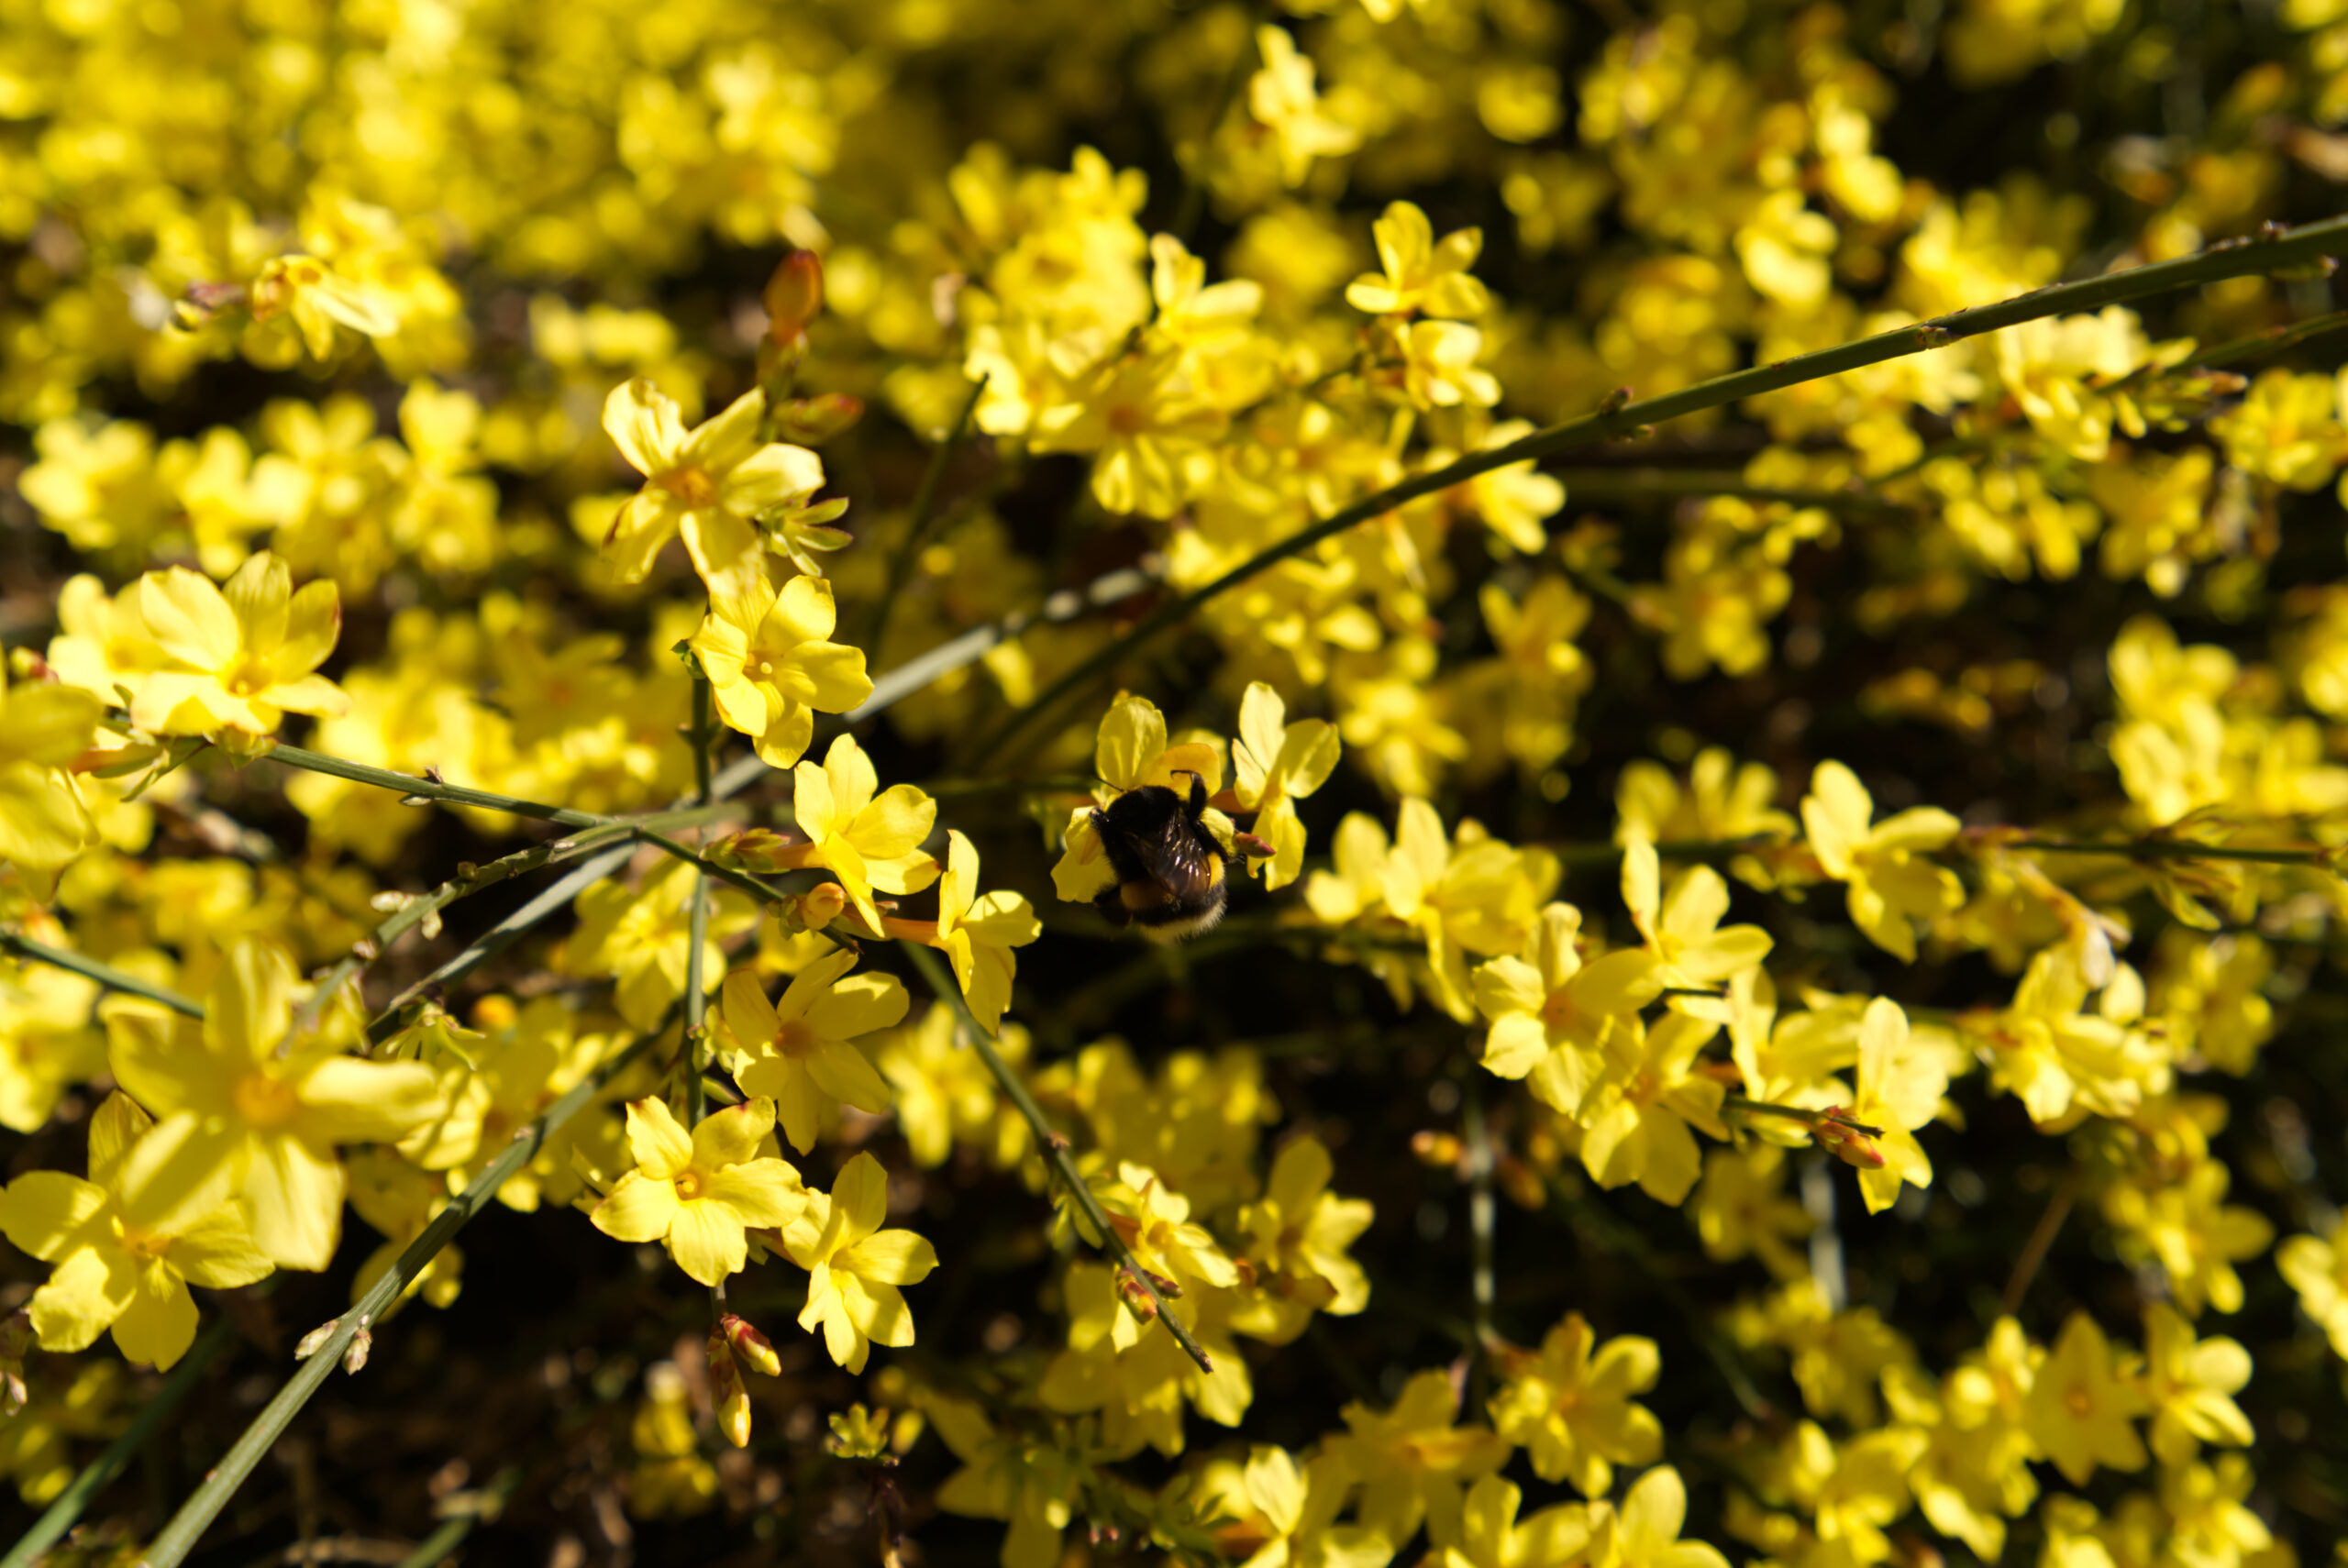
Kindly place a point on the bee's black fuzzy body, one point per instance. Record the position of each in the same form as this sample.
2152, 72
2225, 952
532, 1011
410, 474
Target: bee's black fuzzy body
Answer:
1173, 878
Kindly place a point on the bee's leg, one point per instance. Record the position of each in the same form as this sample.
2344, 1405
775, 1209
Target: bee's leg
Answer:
1198, 796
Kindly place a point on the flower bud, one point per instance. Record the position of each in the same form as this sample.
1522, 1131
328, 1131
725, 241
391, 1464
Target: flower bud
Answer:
793, 297
811, 421
1850, 1141
755, 1349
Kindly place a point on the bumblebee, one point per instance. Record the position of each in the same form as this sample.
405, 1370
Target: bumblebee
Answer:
1173, 872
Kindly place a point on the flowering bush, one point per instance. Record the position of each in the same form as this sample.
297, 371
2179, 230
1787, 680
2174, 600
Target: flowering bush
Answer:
1678, 600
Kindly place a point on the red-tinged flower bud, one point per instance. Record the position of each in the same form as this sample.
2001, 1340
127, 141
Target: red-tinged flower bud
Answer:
793, 297
1136, 1296
1254, 849
15, 1335
1438, 1151
811, 421
1851, 1142
755, 1349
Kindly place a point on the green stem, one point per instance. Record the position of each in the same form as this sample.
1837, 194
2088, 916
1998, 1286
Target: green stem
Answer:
434, 1549
689, 1046
186, 1527
60, 1515
469, 880
2176, 849
2278, 250
106, 974
1807, 1118
969, 647
1639, 484
432, 789
923, 514
1053, 1147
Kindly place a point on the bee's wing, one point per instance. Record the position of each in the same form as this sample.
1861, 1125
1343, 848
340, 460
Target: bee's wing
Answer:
1183, 859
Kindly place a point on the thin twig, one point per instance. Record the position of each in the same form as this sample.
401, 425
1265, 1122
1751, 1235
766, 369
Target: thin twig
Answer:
923, 514
2041, 1242
1482, 1223
1054, 1150
89, 968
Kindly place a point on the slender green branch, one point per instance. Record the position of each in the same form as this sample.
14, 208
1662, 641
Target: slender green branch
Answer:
503, 934
2272, 341
1640, 484
689, 1045
1829, 1116
417, 910
61, 1514
432, 789
106, 974
434, 1549
1066, 604
2042, 1242
2319, 857
924, 515
2279, 250
1054, 1149
187, 1526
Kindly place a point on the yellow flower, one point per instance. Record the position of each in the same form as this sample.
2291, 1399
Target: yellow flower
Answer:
978, 933
2080, 1406
1890, 885
1439, 368
698, 1194
2317, 1270
1637, 1117
710, 484
1680, 928
1420, 275
771, 665
1298, 1234
45, 1040
945, 1095
1741, 1207
864, 841
1552, 1015
1900, 1088
1412, 1460
1645, 1531
1571, 1409
236, 657
1490, 1535
43, 823
2191, 1384
115, 1267
2288, 430
855, 1267
245, 1111
1277, 764
801, 1051
1281, 97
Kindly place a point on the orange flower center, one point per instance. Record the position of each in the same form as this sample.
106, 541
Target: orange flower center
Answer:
250, 680
792, 1037
2078, 1401
263, 1101
144, 1247
691, 485
689, 1187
